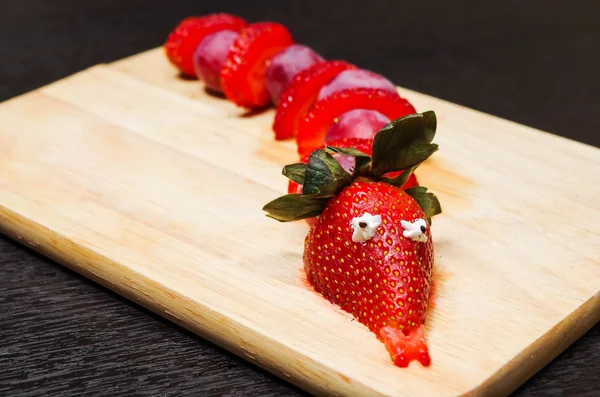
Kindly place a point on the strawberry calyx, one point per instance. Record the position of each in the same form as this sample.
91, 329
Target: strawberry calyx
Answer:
400, 146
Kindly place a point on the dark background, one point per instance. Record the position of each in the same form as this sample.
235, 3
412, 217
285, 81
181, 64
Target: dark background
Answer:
534, 62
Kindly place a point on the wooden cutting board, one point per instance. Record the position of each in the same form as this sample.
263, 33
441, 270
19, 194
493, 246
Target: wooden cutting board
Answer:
140, 181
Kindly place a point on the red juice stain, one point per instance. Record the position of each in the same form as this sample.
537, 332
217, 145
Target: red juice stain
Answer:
438, 278
432, 295
304, 280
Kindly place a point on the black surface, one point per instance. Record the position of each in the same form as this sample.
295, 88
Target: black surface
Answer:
533, 62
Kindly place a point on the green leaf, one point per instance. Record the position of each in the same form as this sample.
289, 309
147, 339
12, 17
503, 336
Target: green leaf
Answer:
324, 175
295, 172
350, 151
401, 179
362, 160
404, 143
294, 207
428, 202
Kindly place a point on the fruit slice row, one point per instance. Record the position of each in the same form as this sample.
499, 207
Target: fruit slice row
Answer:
319, 102
258, 64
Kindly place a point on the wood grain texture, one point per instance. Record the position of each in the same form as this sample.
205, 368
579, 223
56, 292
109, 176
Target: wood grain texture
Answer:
74, 347
135, 158
466, 57
65, 335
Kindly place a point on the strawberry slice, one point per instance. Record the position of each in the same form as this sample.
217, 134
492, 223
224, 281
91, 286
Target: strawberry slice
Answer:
243, 76
301, 94
187, 35
313, 127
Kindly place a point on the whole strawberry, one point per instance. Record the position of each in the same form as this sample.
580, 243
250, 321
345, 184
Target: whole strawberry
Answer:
371, 251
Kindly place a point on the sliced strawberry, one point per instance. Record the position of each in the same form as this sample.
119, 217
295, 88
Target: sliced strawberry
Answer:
184, 39
313, 128
243, 76
301, 94
411, 182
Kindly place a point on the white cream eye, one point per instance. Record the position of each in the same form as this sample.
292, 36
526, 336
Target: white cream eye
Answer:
365, 227
415, 230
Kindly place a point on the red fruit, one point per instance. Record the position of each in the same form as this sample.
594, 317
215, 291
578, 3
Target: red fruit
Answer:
300, 95
370, 249
383, 281
210, 57
293, 187
314, 126
286, 64
357, 78
243, 76
412, 180
356, 123
187, 35
403, 347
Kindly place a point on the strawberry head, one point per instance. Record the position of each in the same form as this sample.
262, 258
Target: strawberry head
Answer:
371, 250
